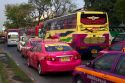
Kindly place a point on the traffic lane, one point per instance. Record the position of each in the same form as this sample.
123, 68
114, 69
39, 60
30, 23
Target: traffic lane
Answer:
49, 78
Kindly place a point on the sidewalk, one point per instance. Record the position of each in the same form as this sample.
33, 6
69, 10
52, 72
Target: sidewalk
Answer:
10, 72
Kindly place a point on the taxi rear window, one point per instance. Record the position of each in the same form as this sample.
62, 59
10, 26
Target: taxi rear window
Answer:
57, 48
34, 43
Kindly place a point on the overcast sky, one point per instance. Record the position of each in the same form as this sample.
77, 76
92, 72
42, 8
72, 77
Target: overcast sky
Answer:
3, 2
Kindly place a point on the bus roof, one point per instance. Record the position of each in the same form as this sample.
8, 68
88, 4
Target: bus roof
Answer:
85, 12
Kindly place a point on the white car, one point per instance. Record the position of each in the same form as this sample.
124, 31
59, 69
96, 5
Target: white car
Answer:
12, 38
21, 43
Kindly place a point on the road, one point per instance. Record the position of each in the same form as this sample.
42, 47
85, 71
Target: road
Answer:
65, 77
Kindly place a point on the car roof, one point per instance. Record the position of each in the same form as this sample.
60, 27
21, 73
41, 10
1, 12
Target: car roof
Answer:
35, 39
53, 41
116, 52
120, 42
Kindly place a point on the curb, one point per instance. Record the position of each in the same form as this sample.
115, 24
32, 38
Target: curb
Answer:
0, 79
8, 55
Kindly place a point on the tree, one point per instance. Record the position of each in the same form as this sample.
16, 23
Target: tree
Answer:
8, 24
61, 7
18, 15
103, 5
52, 8
40, 7
120, 10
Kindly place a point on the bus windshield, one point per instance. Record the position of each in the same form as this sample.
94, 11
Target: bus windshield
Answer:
93, 19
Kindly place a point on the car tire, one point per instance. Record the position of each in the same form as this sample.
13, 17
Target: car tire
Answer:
17, 49
28, 62
8, 45
79, 79
22, 55
40, 72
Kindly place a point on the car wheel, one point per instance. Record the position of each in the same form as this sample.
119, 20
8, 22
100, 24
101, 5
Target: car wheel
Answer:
22, 55
17, 49
40, 72
79, 80
28, 62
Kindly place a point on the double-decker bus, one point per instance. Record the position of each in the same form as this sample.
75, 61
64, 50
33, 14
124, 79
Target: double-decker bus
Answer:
86, 31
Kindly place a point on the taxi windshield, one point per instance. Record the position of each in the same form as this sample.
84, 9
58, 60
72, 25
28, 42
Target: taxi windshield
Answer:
56, 48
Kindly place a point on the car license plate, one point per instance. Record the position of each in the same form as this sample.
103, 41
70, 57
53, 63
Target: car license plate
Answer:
93, 51
64, 59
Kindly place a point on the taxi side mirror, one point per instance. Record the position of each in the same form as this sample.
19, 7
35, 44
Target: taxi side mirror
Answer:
89, 64
30, 49
23, 43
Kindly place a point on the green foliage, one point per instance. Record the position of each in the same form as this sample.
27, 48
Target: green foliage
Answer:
8, 24
8, 65
52, 8
18, 15
104, 5
120, 9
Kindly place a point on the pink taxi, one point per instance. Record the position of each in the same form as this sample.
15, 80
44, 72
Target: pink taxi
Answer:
28, 44
53, 57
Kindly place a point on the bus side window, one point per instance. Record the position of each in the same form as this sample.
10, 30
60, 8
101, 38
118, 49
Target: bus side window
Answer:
62, 24
52, 26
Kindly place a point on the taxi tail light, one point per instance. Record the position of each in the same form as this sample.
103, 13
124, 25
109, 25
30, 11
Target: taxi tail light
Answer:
50, 58
77, 57
83, 47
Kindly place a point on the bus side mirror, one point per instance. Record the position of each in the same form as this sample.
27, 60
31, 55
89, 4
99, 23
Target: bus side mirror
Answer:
31, 49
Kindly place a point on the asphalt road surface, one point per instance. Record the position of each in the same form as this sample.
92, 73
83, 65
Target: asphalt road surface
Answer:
65, 77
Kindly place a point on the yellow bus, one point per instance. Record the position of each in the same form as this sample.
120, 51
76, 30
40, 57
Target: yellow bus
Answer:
86, 31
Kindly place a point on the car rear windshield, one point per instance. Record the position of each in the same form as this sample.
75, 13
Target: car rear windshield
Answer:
58, 48
12, 36
34, 43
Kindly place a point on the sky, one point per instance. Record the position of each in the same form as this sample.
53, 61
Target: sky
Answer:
79, 4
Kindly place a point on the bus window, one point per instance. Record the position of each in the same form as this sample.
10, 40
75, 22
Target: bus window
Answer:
93, 19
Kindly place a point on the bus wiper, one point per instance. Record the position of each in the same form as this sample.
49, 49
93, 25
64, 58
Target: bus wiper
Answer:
90, 30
